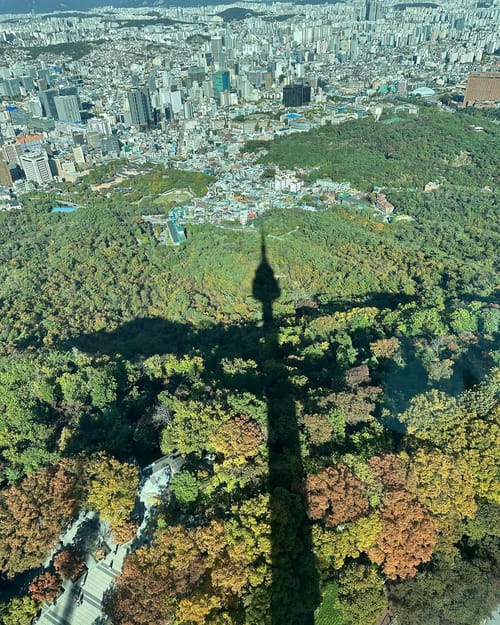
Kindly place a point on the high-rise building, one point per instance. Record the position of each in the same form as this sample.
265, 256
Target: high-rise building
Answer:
140, 106
36, 167
79, 155
216, 45
35, 107
296, 95
11, 152
11, 88
100, 125
19, 116
372, 10
45, 75
110, 144
70, 90
221, 82
67, 108
28, 83
46, 98
5, 175
175, 101
216, 49
483, 89
188, 110
196, 74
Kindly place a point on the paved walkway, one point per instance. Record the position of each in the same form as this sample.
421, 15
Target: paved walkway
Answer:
81, 601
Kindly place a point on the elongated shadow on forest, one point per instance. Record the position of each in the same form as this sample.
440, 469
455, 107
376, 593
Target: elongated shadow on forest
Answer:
294, 592
295, 587
148, 336
295, 583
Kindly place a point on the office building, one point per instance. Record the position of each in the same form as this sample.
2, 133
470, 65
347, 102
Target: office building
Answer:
73, 90
110, 144
11, 173
6, 179
67, 108
100, 125
221, 82
27, 83
79, 155
46, 98
10, 88
35, 107
372, 11
296, 95
175, 101
188, 110
36, 167
140, 107
483, 89
45, 75
11, 152
19, 116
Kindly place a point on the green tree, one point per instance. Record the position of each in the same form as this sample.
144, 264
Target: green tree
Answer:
361, 594
185, 488
330, 611
19, 611
460, 592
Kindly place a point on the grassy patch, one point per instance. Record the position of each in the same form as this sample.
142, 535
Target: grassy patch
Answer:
172, 198
330, 611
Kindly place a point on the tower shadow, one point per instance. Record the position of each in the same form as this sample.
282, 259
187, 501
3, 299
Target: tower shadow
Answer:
295, 584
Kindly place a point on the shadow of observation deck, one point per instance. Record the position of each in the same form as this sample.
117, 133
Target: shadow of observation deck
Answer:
295, 583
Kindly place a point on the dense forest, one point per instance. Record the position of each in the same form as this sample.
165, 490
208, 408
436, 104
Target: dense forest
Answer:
74, 50
333, 388
460, 148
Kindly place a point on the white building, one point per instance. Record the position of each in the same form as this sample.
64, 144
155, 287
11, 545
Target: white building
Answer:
287, 182
36, 168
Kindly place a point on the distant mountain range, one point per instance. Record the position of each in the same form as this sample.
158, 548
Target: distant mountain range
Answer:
50, 6
47, 6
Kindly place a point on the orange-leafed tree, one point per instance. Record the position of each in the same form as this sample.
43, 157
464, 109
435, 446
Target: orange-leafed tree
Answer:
152, 579
390, 470
407, 537
69, 564
33, 513
46, 587
336, 495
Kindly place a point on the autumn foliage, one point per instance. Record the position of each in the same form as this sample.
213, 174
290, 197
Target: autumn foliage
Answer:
69, 564
33, 513
336, 496
407, 537
46, 587
342, 437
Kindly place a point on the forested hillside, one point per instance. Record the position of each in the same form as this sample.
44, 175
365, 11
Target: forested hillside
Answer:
377, 377
459, 148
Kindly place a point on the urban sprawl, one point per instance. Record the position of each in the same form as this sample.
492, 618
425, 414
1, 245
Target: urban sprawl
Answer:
187, 87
